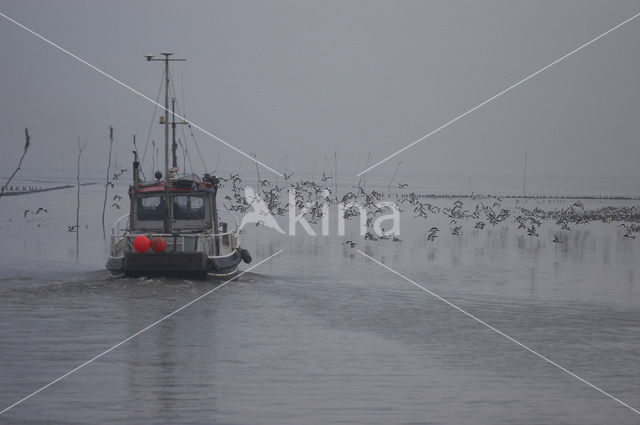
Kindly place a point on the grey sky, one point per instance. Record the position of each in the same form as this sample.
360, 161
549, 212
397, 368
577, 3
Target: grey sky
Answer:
305, 78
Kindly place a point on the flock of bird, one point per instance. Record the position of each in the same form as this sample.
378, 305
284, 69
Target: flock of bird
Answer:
117, 174
310, 196
36, 216
116, 198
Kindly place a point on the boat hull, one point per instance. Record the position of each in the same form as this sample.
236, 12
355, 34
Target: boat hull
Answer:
175, 264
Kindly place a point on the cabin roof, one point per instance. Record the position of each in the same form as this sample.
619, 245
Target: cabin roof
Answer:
158, 187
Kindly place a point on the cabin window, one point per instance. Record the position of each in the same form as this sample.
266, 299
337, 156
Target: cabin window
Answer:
151, 208
188, 207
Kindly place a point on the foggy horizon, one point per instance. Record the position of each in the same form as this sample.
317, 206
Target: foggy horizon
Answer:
305, 79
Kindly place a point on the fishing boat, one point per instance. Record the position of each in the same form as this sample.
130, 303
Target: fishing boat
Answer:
173, 227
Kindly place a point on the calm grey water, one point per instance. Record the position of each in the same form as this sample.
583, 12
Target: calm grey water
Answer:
320, 334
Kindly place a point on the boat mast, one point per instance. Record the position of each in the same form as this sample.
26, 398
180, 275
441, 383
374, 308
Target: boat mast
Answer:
166, 60
166, 122
174, 146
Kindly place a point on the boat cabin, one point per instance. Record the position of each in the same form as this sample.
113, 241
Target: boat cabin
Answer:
191, 206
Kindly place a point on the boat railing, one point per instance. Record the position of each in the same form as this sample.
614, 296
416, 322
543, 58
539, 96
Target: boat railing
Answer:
217, 244
118, 232
118, 228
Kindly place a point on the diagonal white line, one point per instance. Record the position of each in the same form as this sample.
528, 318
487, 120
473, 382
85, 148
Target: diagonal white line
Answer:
499, 94
135, 334
531, 350
136, 92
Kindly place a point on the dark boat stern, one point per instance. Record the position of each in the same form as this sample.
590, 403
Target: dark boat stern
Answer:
183, 264
177, 264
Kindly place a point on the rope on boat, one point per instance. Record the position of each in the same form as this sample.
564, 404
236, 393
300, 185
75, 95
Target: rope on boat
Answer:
153, 118
173, 87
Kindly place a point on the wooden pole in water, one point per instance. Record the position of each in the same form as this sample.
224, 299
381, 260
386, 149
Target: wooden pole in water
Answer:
335, 174
80, 149
524, 177
106, 184
27, 143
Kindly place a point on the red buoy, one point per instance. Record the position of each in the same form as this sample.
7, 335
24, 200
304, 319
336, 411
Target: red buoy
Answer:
158, 244
141, 243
